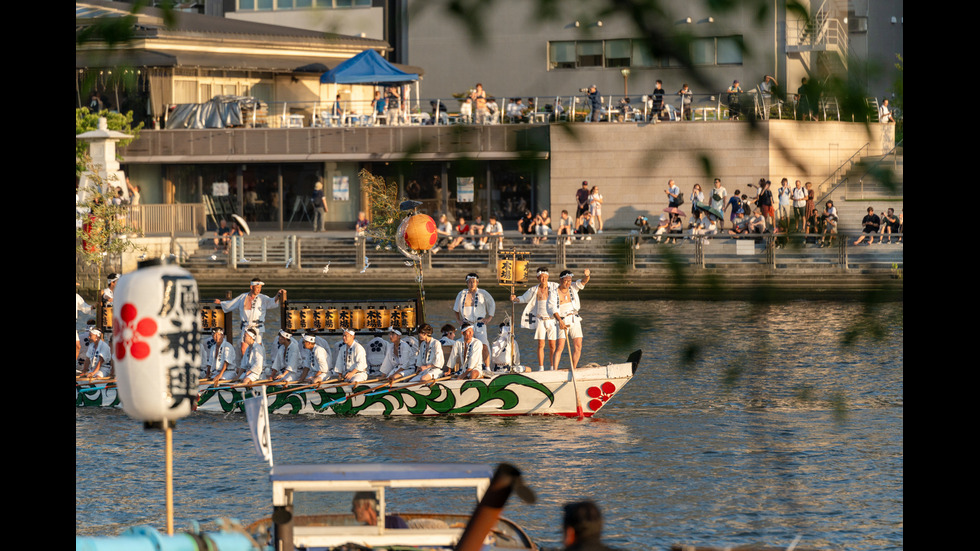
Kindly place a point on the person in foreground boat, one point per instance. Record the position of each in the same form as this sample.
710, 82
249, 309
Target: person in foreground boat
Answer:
365, 509
582, 527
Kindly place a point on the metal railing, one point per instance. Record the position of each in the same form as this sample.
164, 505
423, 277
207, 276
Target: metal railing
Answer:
612, 250
174, 219
537, 110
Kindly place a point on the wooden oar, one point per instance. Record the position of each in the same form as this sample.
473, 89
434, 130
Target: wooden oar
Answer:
91, 381
331, 381
420, 383
372, 389
98, 387
578, 400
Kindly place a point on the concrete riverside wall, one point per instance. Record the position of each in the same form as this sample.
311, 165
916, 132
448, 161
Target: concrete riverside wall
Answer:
631, 163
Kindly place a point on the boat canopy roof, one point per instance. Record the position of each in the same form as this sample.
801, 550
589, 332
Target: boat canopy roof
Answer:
376, 476
380, 472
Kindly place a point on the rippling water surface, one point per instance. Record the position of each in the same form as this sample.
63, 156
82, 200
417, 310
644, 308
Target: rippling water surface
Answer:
744, 424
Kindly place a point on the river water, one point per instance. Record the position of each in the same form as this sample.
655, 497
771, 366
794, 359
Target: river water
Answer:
745, 424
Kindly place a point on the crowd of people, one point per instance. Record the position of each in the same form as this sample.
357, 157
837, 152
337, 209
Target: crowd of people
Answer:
464, 349
783, 210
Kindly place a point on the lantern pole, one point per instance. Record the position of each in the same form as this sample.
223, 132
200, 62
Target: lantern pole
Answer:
510, 272
168, 437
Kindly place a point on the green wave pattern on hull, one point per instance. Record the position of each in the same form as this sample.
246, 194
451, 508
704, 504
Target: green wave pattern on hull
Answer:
437, 399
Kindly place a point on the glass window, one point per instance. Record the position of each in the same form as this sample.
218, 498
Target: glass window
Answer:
589, 54
561, 55
730, 50
703, 51
617, 53
642, 56
246, 5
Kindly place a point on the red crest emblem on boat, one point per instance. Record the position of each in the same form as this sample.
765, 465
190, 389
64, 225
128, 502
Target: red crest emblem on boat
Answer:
600, 394
133, 332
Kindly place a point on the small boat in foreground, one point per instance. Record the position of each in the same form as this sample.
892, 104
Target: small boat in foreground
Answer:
366, 505
529, 393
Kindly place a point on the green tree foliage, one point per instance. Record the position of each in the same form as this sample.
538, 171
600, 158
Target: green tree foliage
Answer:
102, 230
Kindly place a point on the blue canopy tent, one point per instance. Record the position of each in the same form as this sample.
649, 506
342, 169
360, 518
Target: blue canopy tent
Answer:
368, 67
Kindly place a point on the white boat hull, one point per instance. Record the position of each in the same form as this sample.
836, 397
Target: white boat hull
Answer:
533, 393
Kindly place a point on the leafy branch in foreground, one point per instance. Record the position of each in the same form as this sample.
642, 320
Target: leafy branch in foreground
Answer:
383, 206
102, 230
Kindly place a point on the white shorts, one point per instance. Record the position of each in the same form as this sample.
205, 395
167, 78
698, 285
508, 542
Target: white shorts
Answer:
574, 331
434, 372
291, 376
360, 377
545, 330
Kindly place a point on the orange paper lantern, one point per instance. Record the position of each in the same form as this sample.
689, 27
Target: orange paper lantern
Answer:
420, 232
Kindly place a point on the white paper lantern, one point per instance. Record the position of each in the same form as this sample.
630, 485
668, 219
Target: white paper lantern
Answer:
156, 342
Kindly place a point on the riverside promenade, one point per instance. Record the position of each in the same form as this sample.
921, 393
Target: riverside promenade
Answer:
336, 265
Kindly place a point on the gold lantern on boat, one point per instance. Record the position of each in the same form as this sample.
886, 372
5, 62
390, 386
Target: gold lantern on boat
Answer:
306, 318
345, 319
332, 320
512, 267
292, 321
358, 318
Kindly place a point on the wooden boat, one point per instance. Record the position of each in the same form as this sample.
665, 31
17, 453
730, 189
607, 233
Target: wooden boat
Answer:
529, 393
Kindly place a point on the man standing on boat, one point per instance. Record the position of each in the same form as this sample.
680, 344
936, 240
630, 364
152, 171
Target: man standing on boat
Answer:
253, 357
476, 306
469, 353
538, 315
399, 359
567, 318
251, 306
430, 359
316, 359
285, 366
224, 356
351, 361
98, 357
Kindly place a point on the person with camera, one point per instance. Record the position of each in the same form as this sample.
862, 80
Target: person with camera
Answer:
595, 102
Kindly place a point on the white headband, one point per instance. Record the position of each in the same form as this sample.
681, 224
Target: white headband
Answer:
309, 338
285, 335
